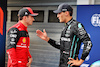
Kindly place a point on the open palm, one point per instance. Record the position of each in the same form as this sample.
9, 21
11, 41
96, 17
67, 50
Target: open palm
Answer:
42, 35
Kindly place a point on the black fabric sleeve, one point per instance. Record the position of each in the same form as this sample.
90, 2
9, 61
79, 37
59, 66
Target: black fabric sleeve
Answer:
54, 43
12, 38
82, 34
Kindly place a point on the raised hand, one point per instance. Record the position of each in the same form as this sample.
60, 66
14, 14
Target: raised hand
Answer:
42, 35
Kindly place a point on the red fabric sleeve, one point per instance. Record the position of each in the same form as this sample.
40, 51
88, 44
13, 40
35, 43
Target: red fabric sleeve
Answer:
29, 55
12, 57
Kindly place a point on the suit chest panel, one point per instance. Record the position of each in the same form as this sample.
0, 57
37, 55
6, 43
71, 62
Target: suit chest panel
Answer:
23, 38
67, 32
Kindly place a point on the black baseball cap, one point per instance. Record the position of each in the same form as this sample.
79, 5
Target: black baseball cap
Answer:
25, 11
63, 7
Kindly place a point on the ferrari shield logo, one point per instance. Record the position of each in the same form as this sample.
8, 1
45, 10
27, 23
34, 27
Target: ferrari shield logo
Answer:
24, 40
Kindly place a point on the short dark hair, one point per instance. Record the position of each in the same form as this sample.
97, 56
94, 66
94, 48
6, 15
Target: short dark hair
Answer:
20, 18
71, 13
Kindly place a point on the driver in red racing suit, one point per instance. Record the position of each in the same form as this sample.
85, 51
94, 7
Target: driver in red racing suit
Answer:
19, 41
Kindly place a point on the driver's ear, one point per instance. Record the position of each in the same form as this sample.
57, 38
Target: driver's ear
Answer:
66, 13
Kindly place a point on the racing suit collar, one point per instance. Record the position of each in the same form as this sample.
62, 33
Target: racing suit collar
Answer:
69, 22
22, 25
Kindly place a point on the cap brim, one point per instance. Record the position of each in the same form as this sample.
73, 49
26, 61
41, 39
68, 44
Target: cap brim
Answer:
34, 14
57, 11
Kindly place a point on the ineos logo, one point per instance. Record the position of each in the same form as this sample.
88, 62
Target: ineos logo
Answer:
95, 20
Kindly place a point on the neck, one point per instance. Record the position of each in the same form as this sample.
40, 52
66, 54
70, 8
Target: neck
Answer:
23, 22
68, 19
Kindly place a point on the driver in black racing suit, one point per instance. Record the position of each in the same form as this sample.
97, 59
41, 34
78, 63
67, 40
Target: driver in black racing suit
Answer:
71, 37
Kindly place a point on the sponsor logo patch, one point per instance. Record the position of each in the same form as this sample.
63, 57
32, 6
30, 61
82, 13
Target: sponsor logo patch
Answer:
24, 40
95, 20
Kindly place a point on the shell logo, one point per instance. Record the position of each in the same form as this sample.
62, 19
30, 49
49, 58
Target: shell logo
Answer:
24, 40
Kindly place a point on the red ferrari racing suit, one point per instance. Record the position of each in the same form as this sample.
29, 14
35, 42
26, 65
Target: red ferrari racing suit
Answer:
18, 46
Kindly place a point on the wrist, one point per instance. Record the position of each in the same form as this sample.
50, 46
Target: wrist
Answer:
47, 39
81, 61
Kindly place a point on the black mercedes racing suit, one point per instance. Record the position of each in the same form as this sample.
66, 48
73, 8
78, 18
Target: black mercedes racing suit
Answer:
71, 37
